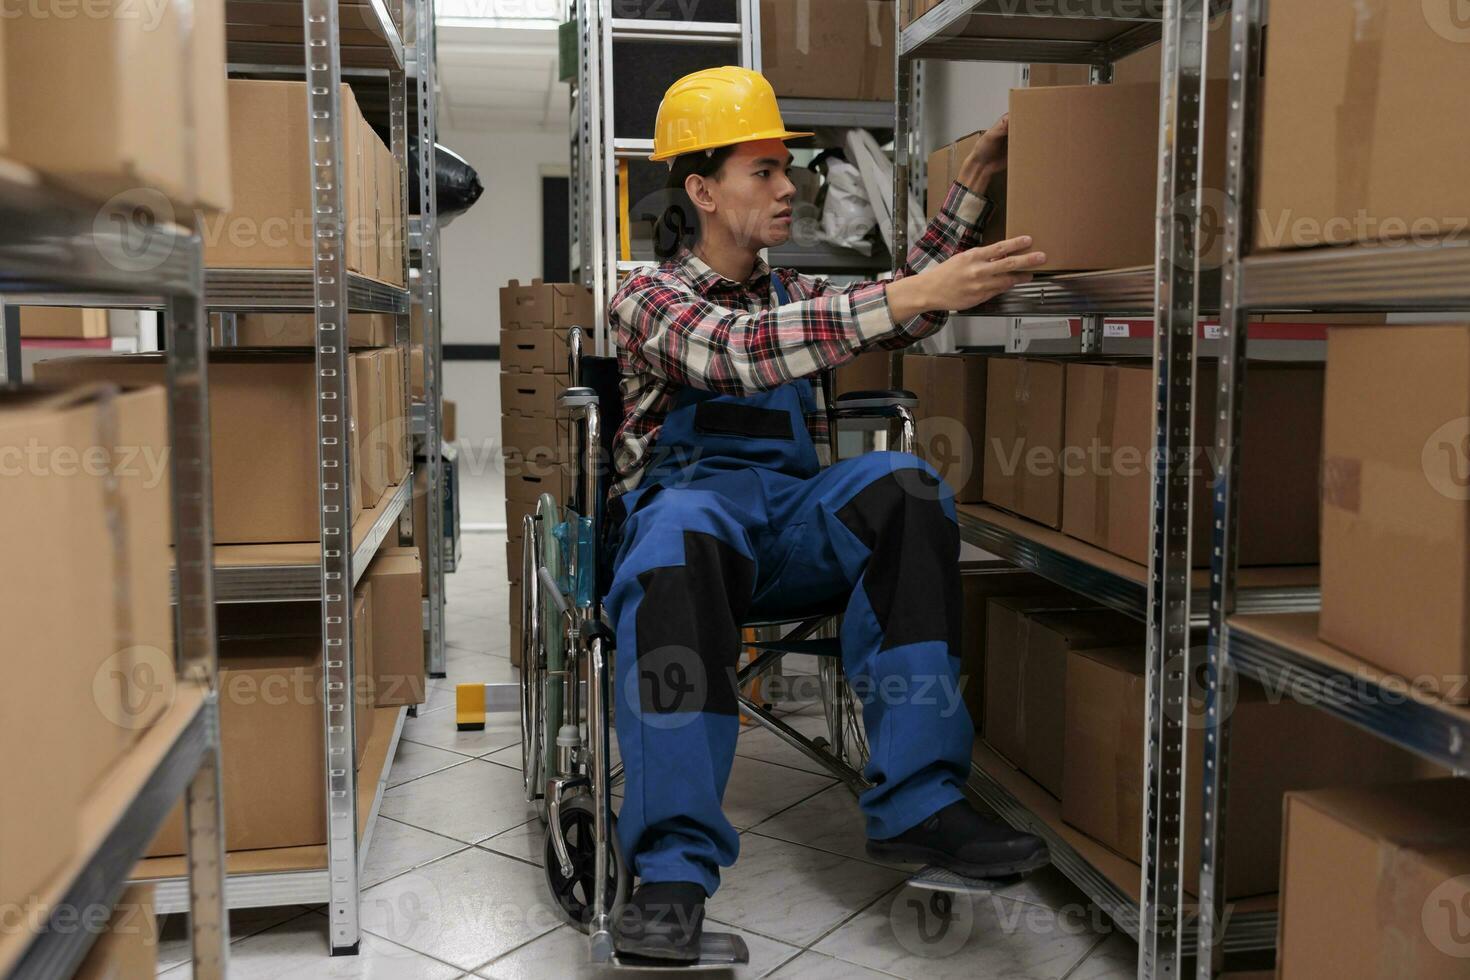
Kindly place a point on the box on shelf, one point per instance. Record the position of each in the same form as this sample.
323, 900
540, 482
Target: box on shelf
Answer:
260, 496
1049, 76
869, 371
1024, 411
398, 627
911, 10
364, 677
540, 351
532, 395
1374, 879
555, 305
97, 103
421, 520
127, 948
268, 225
1108, 472
75, 683
1396, 501
828, 49
299, 330
1276, 745
1362, 135
974, 632
416, 370
448, 420
950, 417
942, 171
1027, 643
62, 322
537, 444
368, 420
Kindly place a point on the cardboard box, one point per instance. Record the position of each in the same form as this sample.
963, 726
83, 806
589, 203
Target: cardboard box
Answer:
1024, 411
1049, 76
869, 371
539, 351
416, 370
531, 395
259, 496
1143, 67
299, 330
1108, 475
399, 413
1277, 745
421, 520
1402, 853
1099, 216
1361, 136
268, 225
127, 949
1027, 643
911, 10
398, 633
950, 418
546, 305
943, 168
63, 322
448, 420
977, 591
1395, 503
210, 126
371, 420
4, 133
828, 49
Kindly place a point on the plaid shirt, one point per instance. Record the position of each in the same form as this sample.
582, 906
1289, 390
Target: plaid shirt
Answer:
683, 324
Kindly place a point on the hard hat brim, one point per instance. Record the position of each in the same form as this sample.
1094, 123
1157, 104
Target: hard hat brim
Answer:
778, 134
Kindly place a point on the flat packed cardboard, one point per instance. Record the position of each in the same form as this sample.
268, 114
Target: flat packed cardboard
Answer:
263, 492
1108, 473
1374, 882
1275, 746
127, 949
1099, 216
537, 350
977, 591
62, 322
1396, 501
299, 330
397, 624
1027, 642
546, 304
268, 225
1363, 135
530, 394
950, 417
828, 49
1024, 411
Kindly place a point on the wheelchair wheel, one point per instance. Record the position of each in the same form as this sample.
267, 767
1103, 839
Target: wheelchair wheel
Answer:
553, 647
844, 714
533, 682
574, 895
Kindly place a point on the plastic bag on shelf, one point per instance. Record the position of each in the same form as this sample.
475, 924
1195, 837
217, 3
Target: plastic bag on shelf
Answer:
456, 184
847, 217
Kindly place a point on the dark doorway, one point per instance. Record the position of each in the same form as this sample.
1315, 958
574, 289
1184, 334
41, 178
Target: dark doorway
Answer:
556, 242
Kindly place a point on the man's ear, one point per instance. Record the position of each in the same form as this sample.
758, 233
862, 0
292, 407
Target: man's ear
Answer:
698, 189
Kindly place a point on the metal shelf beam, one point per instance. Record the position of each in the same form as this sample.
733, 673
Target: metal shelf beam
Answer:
836, 112
245, 290
674, 31
997, 30
1118, 292
1431, 277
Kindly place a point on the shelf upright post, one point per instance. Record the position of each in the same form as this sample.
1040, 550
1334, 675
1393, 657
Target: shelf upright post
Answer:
1175, 306
195, 653
1220, 681
402, 332
9, 342
334, 461
606, 207
426, 77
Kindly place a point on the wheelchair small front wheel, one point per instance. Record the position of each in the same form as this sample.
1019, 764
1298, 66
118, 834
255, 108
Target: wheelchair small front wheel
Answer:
574, 895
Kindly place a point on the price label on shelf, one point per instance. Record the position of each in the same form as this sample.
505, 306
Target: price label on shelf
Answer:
1115, 330
1213, 331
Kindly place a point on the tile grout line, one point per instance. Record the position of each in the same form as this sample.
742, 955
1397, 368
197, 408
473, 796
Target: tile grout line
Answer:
1086, 956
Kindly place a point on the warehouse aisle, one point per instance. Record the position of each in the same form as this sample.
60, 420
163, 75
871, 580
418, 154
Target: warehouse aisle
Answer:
454, 888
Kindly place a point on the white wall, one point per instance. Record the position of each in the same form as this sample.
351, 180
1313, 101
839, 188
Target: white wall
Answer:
497, 240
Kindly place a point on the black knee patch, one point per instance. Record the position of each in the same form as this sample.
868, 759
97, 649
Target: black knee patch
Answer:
688, 628
912, 579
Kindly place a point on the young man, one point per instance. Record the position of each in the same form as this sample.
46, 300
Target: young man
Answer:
725, 510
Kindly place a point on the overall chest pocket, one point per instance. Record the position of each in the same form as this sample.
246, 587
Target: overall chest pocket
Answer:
736, 419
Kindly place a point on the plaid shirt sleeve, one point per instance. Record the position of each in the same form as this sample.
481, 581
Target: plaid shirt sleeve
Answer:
955, 228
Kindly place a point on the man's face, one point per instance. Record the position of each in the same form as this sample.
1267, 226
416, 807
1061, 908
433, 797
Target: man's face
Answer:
752, 194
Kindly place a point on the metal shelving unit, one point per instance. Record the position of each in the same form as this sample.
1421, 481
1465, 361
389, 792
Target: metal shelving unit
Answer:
1283, 652
53, 244
1172, 292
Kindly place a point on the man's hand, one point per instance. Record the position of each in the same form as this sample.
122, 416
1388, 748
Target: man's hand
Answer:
964, 280
987, 158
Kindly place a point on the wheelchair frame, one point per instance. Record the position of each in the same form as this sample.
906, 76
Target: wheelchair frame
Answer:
581, 773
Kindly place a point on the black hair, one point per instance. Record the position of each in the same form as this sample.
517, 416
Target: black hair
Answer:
679, 224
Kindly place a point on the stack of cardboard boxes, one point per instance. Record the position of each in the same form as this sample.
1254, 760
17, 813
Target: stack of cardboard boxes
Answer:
535, 358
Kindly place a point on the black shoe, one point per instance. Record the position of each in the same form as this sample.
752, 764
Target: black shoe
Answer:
961, 840
663, 920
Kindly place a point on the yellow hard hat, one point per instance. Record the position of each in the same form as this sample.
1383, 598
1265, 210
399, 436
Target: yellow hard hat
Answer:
717, 107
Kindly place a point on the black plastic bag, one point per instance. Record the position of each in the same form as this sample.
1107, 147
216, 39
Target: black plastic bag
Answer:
457, 184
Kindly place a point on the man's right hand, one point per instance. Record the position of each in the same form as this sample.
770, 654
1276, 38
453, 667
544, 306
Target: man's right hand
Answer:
964, 280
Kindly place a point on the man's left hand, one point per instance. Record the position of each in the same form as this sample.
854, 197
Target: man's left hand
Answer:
987, 158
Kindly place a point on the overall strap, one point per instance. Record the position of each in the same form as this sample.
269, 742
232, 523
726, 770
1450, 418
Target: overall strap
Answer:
779, 288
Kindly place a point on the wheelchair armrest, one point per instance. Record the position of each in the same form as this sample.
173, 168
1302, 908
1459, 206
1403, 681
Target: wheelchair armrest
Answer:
857, 404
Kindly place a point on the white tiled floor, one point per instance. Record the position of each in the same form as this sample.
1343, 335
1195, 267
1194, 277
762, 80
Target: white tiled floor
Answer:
454, 886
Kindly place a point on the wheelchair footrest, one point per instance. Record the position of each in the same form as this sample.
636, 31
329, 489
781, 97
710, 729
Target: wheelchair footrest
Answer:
717, 951
935, 878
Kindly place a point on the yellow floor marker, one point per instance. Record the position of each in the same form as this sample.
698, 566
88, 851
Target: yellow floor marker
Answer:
469, 707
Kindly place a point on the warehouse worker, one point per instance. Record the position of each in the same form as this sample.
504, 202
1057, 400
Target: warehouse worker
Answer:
724, 510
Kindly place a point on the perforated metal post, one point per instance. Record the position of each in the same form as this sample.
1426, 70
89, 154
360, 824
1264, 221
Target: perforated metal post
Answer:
195, 653
1245, 60
398, 133
1176, 302
334, 462
606, 208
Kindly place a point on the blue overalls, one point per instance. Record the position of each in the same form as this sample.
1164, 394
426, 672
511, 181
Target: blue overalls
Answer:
735, 518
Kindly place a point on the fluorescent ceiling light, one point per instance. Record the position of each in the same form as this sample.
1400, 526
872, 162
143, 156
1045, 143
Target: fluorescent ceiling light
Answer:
542, 14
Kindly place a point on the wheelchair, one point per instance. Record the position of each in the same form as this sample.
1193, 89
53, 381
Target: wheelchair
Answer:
566, 650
